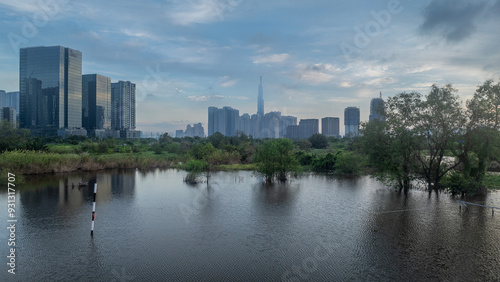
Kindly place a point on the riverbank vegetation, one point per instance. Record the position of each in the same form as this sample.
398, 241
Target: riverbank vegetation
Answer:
433, 139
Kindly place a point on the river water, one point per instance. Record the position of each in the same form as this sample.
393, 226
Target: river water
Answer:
151, 226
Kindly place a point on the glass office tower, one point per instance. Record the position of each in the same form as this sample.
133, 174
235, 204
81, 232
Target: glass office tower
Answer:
50, 86
96, 107
351, 121
123, 105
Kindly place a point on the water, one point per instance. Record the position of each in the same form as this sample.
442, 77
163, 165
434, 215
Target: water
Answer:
154, 227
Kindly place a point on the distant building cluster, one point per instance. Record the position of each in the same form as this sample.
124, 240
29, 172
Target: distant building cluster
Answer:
196, 130
54, 97
228, 122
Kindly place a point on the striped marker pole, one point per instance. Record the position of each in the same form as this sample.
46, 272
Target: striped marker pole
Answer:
93, 211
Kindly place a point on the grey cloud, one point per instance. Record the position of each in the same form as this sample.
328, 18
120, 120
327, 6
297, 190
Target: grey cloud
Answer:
495, 10
452, 19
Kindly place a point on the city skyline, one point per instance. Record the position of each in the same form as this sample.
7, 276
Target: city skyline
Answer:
316, 58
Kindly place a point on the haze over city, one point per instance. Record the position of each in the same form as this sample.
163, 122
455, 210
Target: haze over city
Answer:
316, 58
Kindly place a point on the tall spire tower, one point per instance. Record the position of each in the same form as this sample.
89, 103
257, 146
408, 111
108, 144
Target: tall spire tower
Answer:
260, 101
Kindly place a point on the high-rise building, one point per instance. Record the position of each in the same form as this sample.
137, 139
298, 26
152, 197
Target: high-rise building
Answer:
9, 114
123, 105
308, 127
271, 125
377, 108
255, 125
351, 121
293, 132
330, 126
245, 124
179, 133
50, 88
260, 101
225, 121
9, 99
194, 131
96, 102
286, 121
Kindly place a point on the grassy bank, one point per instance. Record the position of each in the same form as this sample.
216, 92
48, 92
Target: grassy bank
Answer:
35, 162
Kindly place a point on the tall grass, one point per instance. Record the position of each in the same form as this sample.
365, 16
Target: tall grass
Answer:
36, 162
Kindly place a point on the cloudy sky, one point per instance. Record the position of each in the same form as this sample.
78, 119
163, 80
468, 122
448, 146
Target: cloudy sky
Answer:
316, 57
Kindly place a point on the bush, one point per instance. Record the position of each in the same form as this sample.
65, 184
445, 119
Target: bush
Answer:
458, 184
305, 144
304, 158
318, 141
325, 164
196, 165
350, 163
275, 159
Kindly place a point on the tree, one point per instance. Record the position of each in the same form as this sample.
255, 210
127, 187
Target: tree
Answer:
206, 158
390, 144
440, 126
275, 159
305, 145
217, 139
349, 162
165, 138
325, 163
318, 141
12, 138
481, 141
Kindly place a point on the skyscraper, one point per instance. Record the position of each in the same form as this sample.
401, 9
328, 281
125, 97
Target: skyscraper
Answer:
50, 86
9, 99
225, 121
308, 127
9, 114
377, 108
351, 121
245, 124
260, 102
123, 105
193, 131
330, 126
96, 102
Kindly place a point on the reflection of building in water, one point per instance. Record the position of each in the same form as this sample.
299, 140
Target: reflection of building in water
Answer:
74, 190
69, 192
103, 187
123, 183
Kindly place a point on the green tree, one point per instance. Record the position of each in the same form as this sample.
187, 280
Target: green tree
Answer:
165, 138
391, 144
12, 138
481, 141
440, 126
305, 145
325, 163
218, 140
349, 162
318, 141
275, 159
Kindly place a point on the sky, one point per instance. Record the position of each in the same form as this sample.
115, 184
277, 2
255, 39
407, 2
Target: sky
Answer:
316, 57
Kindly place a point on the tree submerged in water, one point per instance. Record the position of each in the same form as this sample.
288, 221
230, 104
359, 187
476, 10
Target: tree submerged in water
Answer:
275, 159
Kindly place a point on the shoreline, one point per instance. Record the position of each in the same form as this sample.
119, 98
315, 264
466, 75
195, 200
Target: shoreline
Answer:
40, 163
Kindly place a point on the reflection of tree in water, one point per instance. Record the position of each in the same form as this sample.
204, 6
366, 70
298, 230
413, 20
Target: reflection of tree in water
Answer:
275, 193
272, 230
424, 235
